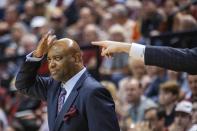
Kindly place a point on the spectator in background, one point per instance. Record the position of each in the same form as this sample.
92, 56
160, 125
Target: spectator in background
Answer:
151, 19
137, 69
152, 90
29, 12
39, 26
168, 97
181, 80
120, 16
17, 31
11, 15
90, 59
28, 43
86, 17
58, 22
5, 37
156, 119
137, 101
169, 9
192, 80
41, 8
105, 24
183, 121
121, 94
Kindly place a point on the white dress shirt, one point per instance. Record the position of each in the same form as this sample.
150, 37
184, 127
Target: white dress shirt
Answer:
69, 85
137, 51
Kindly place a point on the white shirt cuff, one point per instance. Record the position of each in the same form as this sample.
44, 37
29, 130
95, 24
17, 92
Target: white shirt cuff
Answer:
137, 51
33, 59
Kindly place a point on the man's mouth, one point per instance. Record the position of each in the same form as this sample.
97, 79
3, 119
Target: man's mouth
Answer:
53, 72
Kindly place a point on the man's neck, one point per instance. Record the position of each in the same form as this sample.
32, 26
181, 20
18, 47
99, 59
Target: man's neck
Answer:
137, 102
73, 74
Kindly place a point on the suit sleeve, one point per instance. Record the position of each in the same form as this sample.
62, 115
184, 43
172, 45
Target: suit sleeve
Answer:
29, 83
100, 111
171, 58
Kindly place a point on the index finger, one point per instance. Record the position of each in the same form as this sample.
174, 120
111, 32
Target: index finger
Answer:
99, 43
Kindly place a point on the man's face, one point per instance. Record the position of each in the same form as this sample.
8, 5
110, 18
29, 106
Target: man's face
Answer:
154, 123
166, 98
138, 68
133, 91
192, 79
182, 119
60, 63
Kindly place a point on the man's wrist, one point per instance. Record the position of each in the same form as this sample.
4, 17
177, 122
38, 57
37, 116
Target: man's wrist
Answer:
137, 51
37, 55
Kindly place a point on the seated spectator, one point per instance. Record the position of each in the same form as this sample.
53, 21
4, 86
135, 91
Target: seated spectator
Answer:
138, 102
58, 22
156, 119
168, 97
192, 80
120, 16
183, 121
158, 77
137, 68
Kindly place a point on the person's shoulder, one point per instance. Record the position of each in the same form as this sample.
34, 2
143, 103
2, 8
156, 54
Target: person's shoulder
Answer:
148, 102
91, 84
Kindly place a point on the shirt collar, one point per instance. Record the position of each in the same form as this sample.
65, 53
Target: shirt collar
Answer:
69, 85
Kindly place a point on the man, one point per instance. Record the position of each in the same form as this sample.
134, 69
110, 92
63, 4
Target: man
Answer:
192, 80
156, 119
168, 97
183, 121
76, 101
166, 57
138, 102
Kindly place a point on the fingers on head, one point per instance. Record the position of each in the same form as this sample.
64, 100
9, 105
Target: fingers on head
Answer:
51, 40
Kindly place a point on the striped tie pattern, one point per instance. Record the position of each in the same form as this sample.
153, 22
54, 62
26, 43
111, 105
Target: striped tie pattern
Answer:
61, 99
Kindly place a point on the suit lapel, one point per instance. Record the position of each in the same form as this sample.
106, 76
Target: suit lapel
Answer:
69, 102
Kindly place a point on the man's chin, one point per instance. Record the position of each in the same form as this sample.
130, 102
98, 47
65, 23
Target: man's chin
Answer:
56, 78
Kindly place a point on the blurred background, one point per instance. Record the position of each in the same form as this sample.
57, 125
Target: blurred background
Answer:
145, 96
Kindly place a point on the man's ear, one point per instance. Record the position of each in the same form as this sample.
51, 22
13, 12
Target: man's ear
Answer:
77, 57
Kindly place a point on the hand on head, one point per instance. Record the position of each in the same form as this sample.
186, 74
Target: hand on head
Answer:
44, 44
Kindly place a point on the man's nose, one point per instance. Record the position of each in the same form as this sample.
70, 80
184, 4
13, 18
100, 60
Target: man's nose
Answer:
51, 64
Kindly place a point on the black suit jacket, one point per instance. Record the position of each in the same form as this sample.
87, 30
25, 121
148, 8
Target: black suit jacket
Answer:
94, 105
172, 58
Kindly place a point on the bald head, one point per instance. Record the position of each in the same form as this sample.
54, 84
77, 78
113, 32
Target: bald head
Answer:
68, 45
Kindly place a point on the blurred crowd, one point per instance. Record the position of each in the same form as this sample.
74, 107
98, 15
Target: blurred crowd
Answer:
147, 98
